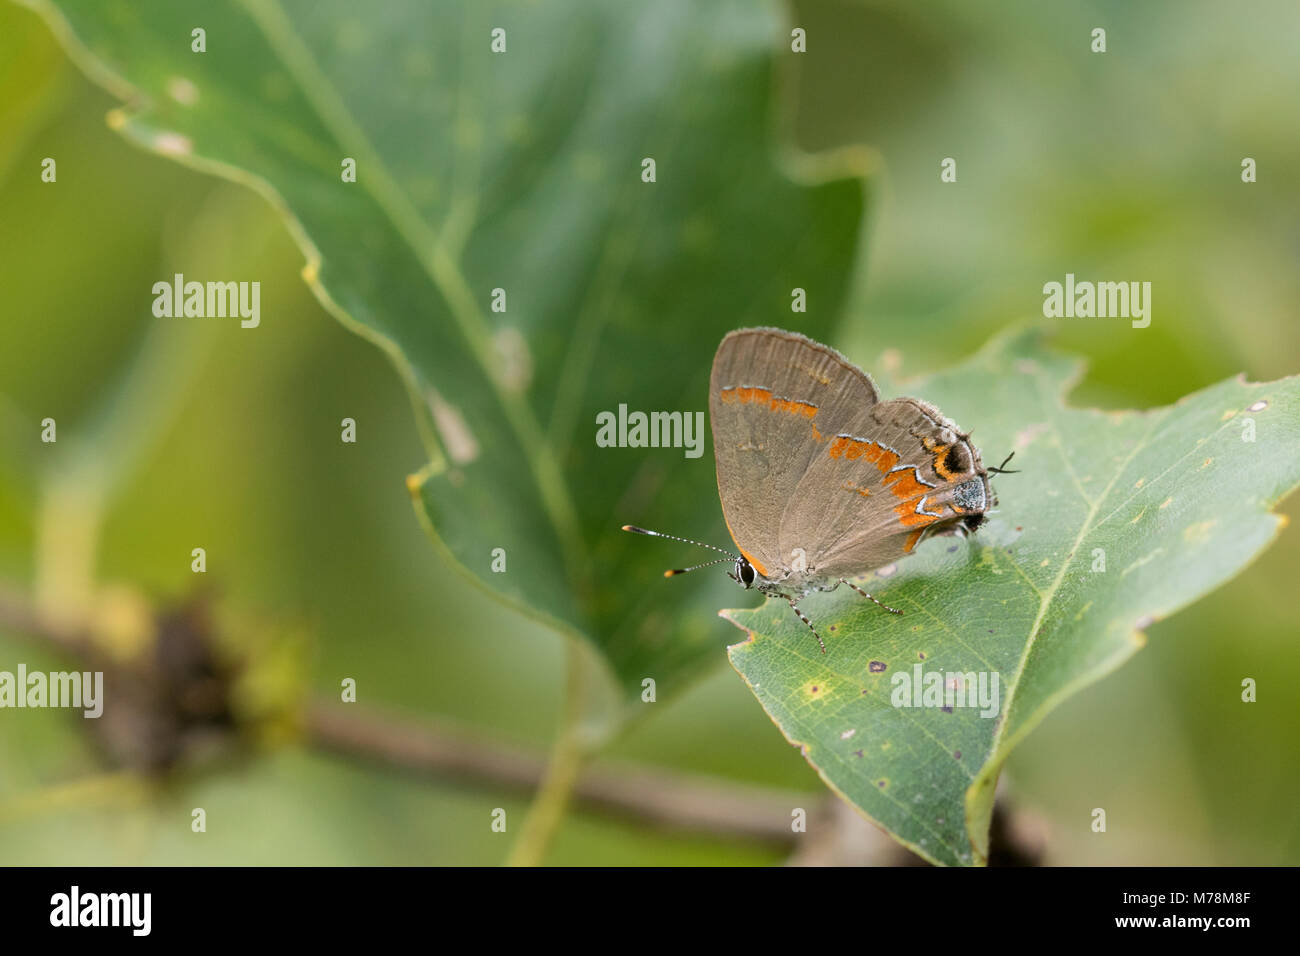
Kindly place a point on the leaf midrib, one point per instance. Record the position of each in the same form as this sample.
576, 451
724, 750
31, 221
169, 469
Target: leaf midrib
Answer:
441, 268
1047, 597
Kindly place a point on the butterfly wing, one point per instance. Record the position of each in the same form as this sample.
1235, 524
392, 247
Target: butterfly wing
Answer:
892, 473
770, 394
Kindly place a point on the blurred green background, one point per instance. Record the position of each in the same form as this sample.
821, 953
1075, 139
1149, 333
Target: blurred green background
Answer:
1119, 166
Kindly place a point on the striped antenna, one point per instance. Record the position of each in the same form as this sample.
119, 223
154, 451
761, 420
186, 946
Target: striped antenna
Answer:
706, 564
659, 534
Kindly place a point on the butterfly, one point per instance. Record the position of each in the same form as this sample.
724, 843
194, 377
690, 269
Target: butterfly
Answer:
821, 481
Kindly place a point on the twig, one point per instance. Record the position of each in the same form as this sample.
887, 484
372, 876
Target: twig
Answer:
661, 798
568, 757
650, 797
664, 799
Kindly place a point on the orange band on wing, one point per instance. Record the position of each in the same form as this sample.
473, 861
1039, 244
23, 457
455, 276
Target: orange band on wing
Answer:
852, 449
793, 407
908, 517
904, 484
750, 395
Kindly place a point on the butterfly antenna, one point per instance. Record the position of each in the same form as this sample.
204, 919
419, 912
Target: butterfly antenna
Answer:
1002, 468
706, 564
659, 534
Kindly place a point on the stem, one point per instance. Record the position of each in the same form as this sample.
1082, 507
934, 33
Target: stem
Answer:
94, 465
573, 745
659, 797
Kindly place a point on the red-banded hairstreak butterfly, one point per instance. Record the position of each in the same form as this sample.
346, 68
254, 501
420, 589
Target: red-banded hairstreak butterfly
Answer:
820, 480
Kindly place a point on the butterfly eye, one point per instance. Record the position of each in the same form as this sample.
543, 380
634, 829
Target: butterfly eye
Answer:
745, 573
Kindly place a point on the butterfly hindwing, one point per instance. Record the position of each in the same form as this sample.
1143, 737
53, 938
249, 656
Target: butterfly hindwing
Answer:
898, 471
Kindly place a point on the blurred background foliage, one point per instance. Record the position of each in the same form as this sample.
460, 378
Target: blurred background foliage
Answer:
1117, 166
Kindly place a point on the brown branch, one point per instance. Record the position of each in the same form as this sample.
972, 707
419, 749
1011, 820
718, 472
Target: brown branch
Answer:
661, 798
655, 797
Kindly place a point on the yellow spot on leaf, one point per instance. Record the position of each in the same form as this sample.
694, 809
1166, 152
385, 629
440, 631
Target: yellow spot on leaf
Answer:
815, 690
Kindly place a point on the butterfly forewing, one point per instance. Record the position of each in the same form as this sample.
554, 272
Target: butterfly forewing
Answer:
776, 400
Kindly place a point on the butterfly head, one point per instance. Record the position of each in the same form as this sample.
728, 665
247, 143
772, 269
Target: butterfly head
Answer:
744, 573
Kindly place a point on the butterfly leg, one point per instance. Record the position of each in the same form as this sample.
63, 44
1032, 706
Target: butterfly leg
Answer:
891, 610
794, 607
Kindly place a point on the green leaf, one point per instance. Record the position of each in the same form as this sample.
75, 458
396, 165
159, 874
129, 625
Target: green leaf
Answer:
1174, 501
520, 171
